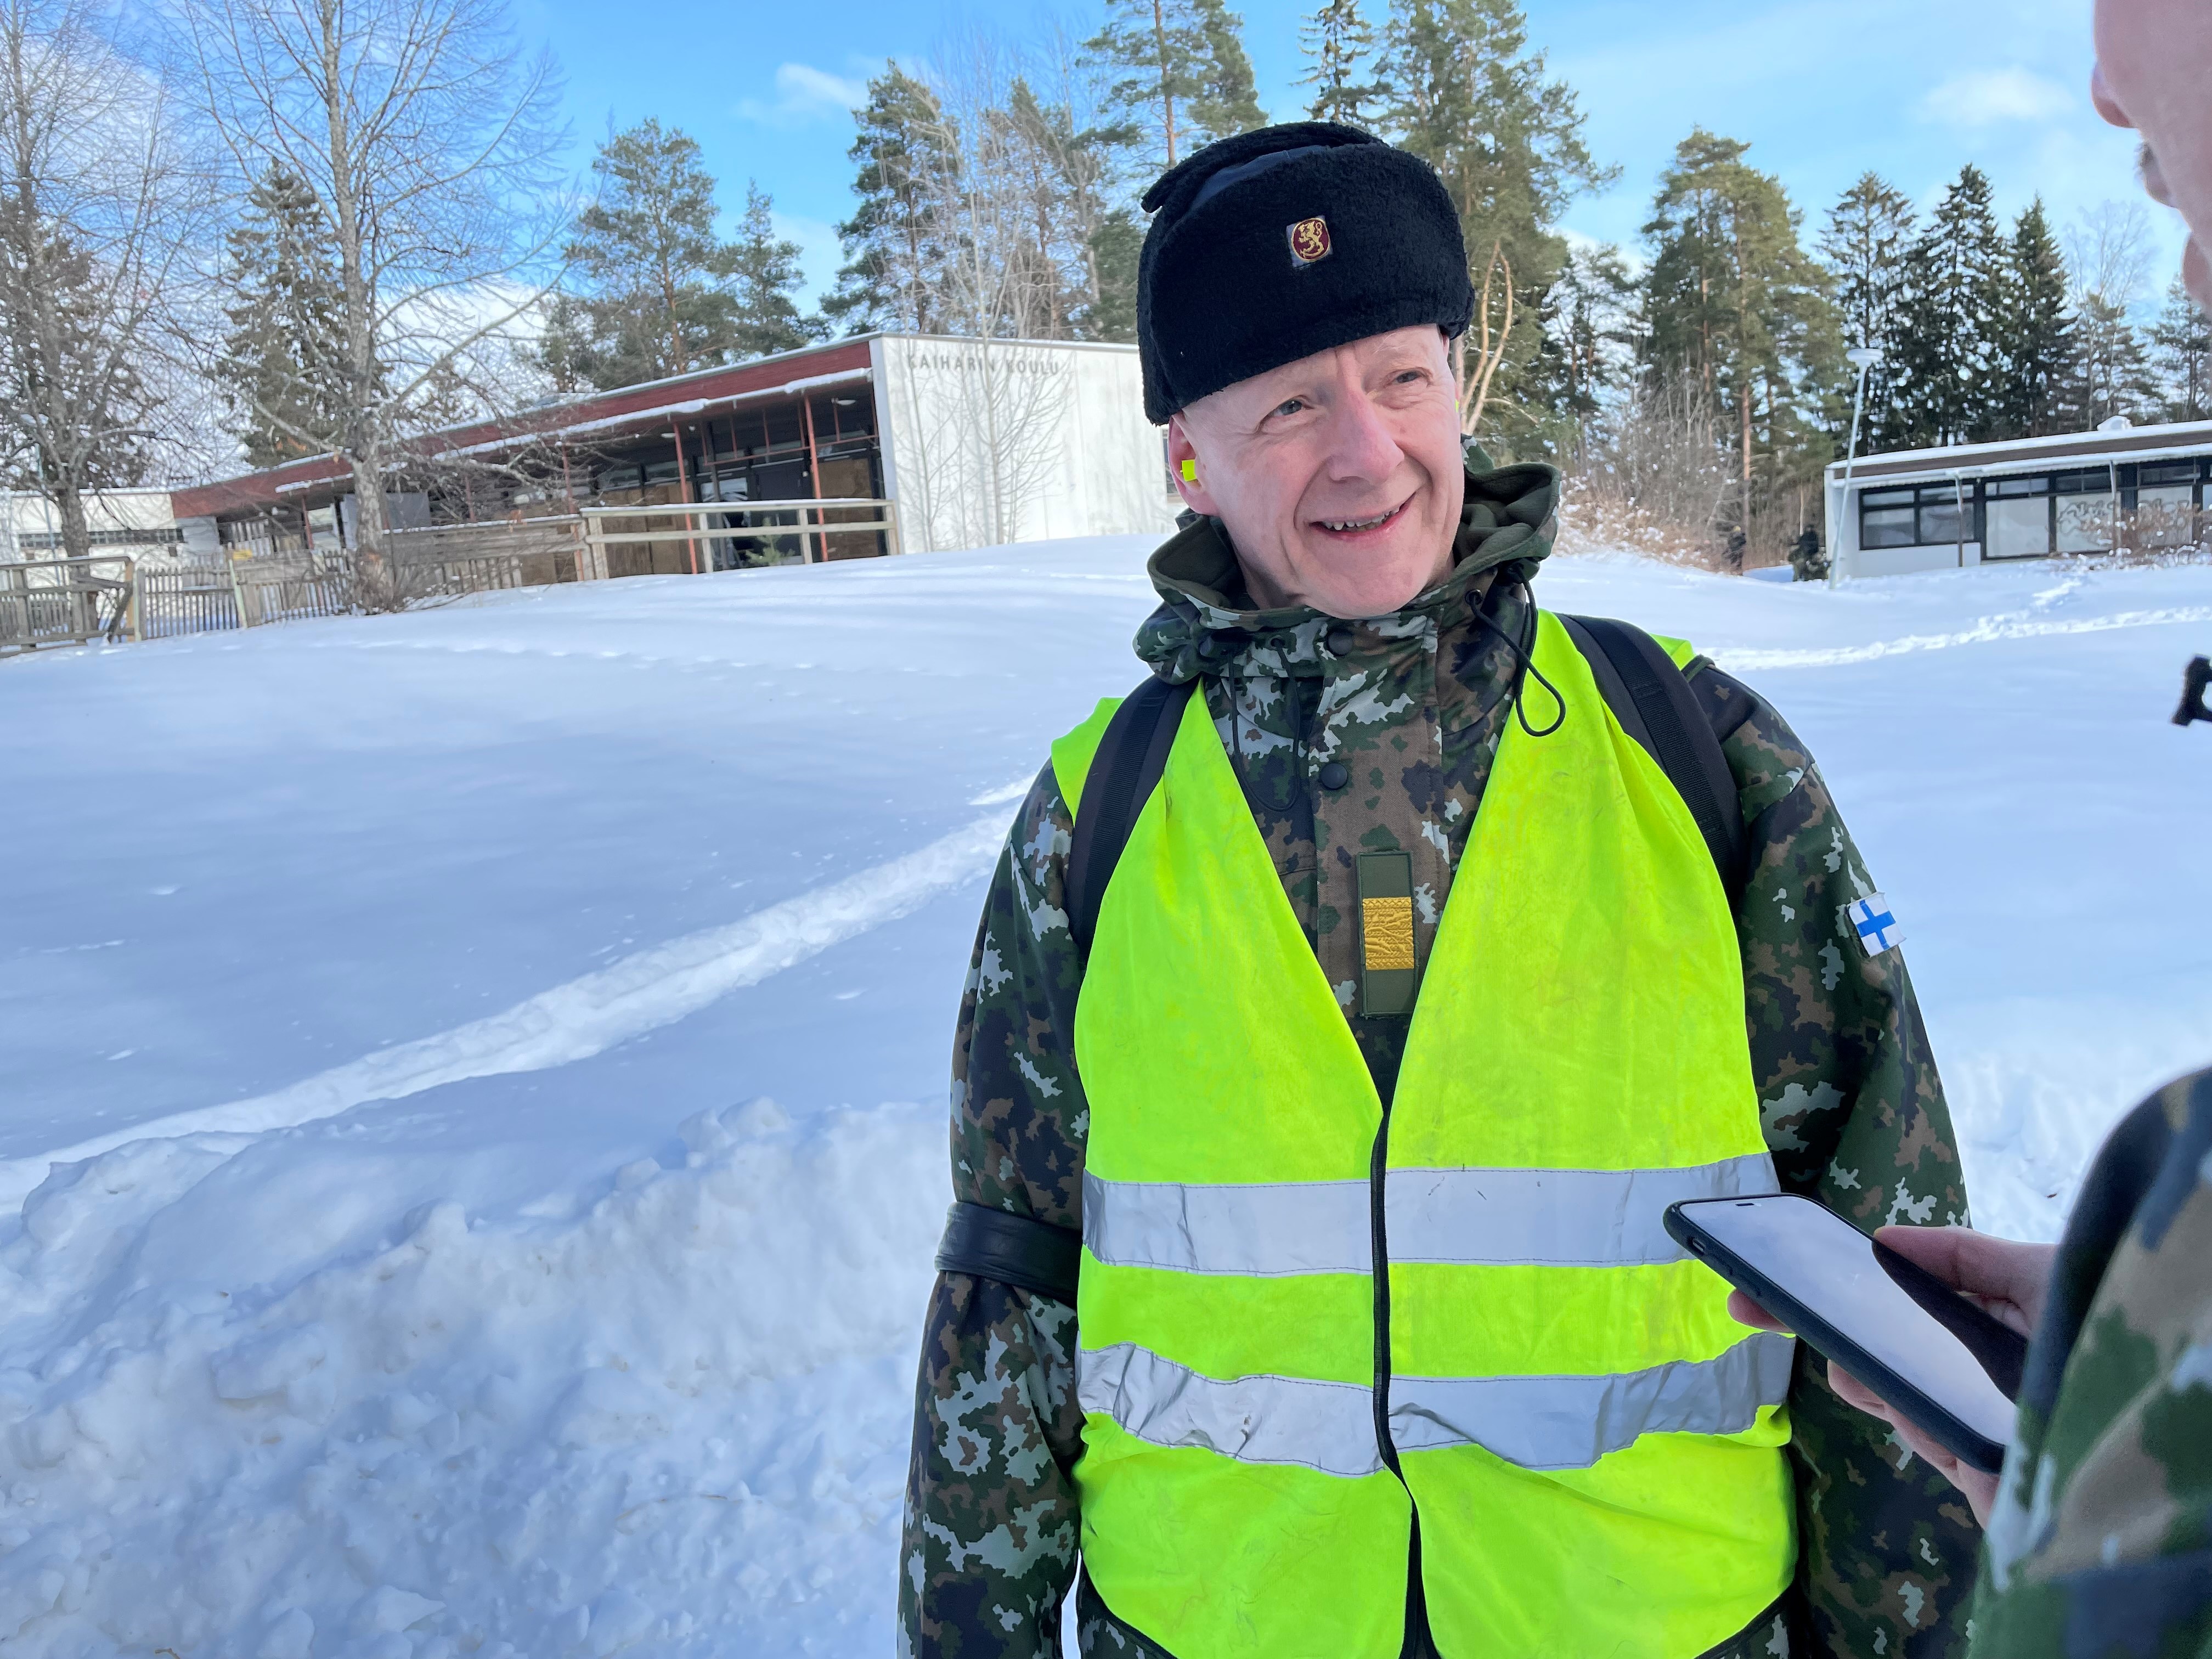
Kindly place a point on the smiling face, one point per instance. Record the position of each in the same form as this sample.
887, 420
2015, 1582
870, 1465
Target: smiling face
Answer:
1337, 476
2153, 64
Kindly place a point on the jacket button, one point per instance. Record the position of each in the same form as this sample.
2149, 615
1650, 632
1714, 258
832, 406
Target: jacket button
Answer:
1339, 641
1335, 774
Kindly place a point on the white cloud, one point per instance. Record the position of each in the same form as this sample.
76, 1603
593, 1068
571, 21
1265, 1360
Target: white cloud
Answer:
1988, 98
803, 94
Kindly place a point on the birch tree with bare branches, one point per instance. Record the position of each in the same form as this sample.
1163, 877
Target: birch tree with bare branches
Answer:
429, 143
98, 210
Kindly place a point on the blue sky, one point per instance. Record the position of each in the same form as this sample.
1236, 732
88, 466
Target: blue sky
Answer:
1822, 89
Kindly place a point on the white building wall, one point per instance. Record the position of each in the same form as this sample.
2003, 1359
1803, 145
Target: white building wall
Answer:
1016, 440
112, 514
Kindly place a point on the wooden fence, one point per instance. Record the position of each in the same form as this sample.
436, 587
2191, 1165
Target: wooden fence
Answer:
506, 553
705, 536
64, 601
56, 602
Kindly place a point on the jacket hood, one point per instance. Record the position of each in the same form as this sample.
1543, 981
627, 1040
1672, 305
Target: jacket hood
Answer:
1206, 618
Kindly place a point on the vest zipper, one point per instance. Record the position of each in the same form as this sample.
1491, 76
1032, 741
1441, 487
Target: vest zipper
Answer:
1419, 1643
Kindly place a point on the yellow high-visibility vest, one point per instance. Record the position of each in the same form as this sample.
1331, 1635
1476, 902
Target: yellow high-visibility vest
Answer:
1593, 1446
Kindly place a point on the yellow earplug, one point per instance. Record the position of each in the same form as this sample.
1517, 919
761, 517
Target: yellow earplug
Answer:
1190, 469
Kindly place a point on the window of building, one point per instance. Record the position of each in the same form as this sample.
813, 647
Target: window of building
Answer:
1927, 516
2173, 472
2165, 514
2082, 517
2019, 525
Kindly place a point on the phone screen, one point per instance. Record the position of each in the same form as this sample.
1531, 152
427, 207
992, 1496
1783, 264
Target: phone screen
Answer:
1832, 1268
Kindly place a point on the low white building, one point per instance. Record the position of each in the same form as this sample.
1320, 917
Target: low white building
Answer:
136, 522
972, 442
2139, 487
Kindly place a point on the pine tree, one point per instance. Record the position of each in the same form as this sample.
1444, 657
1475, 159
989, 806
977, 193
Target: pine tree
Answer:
655, 299
284, 382
895, 242
1469, 97
2036, 350
1341, 44
1946, 391
763, 273
1228, 100
2181, 343
1865, 246
1733, 300
1182, 73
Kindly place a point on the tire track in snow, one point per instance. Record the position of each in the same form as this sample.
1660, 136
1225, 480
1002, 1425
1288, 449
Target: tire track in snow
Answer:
1988, 629
574, 1021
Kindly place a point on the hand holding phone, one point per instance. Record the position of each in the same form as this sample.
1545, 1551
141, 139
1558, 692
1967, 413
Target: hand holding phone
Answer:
1930, 1356
2010, 1279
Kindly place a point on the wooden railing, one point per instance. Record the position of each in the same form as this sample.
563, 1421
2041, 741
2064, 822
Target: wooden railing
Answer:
66, 601
708, 527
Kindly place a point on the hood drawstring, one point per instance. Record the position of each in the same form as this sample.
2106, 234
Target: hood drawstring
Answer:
1527, 665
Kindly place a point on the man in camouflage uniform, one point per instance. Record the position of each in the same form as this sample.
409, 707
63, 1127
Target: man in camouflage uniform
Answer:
2099, 1540
1379, 734
2100, 1537
2099, 1526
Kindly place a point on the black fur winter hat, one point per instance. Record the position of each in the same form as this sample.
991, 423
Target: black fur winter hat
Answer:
1274, 244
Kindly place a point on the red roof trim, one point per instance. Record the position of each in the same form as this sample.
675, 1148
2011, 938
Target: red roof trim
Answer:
268, 486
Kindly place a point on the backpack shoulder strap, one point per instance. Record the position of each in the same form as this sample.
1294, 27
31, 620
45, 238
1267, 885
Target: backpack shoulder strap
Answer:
1124, 772
1654, 705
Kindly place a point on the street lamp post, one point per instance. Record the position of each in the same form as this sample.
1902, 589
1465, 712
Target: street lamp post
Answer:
1862, 358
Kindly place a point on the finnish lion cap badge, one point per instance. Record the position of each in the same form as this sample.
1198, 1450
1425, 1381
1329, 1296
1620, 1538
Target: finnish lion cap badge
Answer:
1310, 242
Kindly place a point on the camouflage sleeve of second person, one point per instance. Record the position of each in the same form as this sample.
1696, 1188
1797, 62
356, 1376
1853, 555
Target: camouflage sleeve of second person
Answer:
992, 1523
1854, 1115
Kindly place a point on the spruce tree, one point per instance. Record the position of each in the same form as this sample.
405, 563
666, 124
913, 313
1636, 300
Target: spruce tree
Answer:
2114, 376
1948, 369
2181, 345
654, 298
763, 273
1115, 246
1341, 44
284, 382
1864, 246
1470, 98
895, 242
2035, 345
1590, 335
1182, 77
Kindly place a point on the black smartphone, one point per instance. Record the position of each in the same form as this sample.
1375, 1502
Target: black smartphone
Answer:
1942, 1362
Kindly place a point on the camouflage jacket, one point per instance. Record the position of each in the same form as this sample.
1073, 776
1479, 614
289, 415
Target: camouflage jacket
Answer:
2101, 1541
1414, 704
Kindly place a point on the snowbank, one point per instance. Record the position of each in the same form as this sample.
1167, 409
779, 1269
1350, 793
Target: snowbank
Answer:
411, 1282
271, 1417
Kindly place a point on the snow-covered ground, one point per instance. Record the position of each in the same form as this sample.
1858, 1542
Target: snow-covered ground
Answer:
497, 1054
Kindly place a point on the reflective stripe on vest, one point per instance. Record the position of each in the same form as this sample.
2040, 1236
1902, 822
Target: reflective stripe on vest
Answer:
1564, 1218
1593, 1447
1536, 1422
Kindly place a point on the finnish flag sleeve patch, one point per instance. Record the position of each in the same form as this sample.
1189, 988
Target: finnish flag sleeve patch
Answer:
1872, 920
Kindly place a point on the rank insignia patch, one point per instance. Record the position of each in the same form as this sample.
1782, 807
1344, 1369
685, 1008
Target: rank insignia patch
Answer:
1310, 242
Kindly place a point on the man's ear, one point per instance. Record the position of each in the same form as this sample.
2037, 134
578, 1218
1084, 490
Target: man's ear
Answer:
1190, 470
